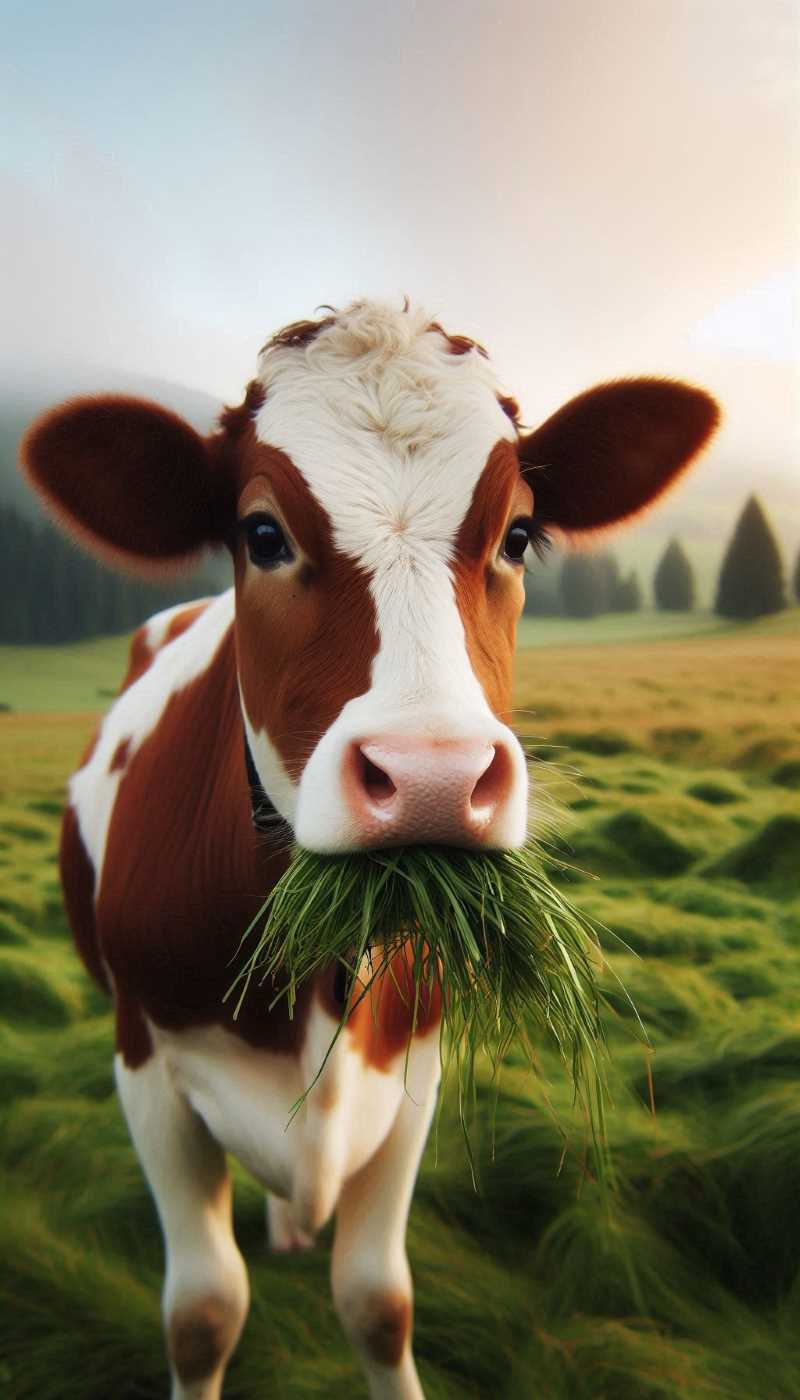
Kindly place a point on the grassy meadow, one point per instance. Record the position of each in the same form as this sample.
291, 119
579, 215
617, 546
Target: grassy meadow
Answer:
667, 768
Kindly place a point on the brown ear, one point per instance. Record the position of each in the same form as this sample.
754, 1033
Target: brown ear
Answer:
611, 451
131, 480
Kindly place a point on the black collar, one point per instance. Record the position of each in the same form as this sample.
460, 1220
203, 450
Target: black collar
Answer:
265, 816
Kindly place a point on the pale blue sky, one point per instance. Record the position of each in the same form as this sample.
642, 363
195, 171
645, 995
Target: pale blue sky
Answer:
591, 189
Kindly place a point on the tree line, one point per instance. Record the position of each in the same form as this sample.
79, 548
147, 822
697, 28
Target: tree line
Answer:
750, 583
50, 591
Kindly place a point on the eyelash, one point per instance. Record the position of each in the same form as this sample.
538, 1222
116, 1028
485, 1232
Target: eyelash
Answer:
540, 540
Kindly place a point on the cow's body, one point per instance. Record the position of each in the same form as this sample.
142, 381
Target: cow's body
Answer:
383, 493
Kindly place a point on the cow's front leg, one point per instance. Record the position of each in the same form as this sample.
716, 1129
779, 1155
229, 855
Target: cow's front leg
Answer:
206, 1292
371, 1279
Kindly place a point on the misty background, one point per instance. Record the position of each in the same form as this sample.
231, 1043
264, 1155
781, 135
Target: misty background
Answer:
590, 191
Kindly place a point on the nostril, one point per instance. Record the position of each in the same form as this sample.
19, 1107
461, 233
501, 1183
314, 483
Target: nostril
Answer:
376, 783
493, 782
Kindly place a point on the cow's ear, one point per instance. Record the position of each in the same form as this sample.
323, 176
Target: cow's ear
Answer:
132, 481
609, 452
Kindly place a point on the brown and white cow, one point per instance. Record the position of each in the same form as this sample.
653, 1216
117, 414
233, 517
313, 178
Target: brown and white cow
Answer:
377, 496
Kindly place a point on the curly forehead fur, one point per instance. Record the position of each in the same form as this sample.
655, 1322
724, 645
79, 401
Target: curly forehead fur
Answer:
384, 370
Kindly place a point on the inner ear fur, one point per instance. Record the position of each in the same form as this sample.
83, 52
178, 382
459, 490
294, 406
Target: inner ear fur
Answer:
131, 480
612, 450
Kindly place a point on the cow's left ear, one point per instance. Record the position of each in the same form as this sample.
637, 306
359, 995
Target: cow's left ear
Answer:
131, 480
612, 450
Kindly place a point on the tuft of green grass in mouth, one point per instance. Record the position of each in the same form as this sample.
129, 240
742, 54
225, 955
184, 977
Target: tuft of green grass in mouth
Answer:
513, 959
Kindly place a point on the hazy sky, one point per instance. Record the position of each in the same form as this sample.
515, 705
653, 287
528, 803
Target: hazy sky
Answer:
592, 187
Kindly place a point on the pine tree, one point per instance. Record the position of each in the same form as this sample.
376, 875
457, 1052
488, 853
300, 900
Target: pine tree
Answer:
673, 583
627, 596
751, 577
606, 573
580, 588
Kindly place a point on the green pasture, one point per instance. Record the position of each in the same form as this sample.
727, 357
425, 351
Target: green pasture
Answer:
666, 773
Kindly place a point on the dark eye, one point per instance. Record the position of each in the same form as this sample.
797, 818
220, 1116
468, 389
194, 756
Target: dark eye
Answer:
517, 540
266, 542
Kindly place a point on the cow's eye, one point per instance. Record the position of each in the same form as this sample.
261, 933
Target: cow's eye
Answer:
517, 540
266, 542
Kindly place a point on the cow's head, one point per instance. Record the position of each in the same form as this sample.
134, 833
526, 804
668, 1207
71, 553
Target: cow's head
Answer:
377, 495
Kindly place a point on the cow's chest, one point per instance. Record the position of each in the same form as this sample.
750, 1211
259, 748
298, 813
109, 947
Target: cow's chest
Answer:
246, 1097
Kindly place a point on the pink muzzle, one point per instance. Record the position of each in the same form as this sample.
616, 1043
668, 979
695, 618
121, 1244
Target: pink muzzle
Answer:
448, 792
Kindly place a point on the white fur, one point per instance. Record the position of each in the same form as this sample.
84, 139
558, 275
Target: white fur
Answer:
157, 626
188, 1175
135, 715
392, 431
245, 1096
354, 1146
280, 788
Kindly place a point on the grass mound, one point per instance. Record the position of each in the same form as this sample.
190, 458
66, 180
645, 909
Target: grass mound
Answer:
788, 774
489, 930
652, 848
606, 743
770, 857
715, 794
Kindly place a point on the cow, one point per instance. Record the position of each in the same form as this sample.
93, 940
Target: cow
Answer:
377, 494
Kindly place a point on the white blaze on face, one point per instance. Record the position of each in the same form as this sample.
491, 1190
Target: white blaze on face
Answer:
391, 431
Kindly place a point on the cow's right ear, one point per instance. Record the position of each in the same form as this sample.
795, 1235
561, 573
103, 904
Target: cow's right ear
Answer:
132, 481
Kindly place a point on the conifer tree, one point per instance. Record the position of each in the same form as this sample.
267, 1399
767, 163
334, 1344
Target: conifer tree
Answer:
751, 578
673, 582
581, 587
627, 595
606, 574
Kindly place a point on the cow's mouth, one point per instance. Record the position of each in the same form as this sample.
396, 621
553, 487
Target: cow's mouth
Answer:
481, 943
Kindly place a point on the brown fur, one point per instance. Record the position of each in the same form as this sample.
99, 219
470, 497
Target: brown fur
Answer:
383, 1326
611, 451
490, 597
131, 480
235, 421
182, 621
200, 1335
172, 908
139, 658
305, 641
133, 1039
380, 1023
120, 756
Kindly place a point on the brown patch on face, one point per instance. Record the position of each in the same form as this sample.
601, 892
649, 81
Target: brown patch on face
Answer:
77, 880
490, 594
120, 757
305, 632
379, 1026
133, 1039
200, 1336
383, 1326
184, 873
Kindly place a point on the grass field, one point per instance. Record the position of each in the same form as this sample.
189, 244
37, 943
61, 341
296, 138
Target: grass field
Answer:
670, 770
